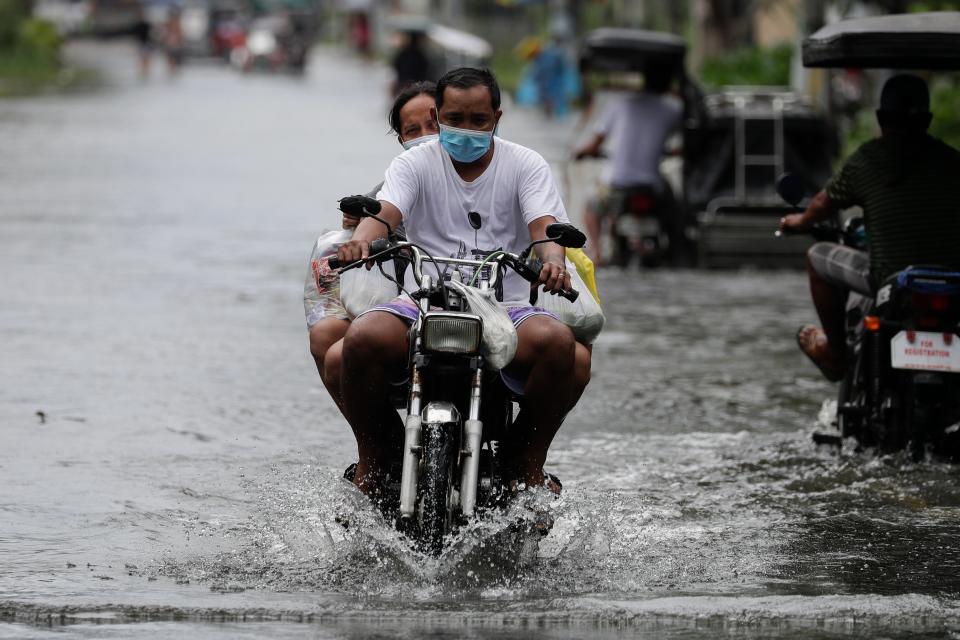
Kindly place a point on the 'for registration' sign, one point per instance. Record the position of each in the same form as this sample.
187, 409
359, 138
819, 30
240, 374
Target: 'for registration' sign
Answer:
925, 350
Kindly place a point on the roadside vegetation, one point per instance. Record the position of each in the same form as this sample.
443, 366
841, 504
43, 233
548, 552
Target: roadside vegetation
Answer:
944, 101
752, 66
29, 52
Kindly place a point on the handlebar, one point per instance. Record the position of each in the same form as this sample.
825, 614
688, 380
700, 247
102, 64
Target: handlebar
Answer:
380, 249
377, 247
821, 232
532, 275
598, 155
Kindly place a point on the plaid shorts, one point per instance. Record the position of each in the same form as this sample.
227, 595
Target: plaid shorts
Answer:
842, 266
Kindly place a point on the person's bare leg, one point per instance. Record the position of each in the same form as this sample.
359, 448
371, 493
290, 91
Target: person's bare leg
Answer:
830, 303
594, 225
331, 373
374, 349
323, 335
581, 376
582, 359
545, 356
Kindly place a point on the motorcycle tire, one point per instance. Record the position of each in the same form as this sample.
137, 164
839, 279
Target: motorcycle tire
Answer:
435, 486
622, 253
652, 255
892, 424
851, 403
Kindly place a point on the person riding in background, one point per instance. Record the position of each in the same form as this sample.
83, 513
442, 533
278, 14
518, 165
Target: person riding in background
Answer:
430, 189
410, 64
412, 120
637, 124
903, 180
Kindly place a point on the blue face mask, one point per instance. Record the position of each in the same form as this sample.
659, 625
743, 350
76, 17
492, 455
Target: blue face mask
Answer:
410, 144
465, 145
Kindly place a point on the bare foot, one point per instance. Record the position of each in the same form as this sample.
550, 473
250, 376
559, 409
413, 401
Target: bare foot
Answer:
367, 480
813, 342
540, 479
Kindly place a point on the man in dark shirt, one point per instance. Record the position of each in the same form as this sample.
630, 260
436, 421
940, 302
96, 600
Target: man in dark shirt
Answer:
904, 183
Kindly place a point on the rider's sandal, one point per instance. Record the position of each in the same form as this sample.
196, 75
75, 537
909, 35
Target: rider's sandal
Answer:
830, 373
550, 482
350, 472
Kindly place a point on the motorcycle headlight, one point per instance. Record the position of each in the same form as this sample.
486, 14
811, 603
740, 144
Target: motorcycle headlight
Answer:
446, 332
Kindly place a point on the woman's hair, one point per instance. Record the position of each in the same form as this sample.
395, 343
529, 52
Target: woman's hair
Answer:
410, 92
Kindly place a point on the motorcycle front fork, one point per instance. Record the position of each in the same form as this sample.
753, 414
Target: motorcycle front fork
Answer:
469, 453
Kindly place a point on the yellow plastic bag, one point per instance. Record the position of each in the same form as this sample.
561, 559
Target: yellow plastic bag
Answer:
584, 316
584, 266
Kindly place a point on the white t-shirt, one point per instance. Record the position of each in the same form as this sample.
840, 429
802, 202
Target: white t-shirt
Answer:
514, 190
636, 125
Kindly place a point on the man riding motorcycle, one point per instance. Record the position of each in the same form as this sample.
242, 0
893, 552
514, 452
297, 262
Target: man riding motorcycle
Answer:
431, 189
903, 181
637, 125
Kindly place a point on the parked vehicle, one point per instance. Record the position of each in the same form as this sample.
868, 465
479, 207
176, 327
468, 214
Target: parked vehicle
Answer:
278, 41
457, 407
228, 28
446, 48
902, 384
742, 139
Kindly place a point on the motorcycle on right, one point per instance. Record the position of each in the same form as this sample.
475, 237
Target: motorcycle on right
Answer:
901, 388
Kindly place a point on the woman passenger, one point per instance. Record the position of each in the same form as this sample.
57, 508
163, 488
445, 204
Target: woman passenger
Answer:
410, 119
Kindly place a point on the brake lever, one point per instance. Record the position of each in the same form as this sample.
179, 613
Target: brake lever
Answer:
334, 261
532, 274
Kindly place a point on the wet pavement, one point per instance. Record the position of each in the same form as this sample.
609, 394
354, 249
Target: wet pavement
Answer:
170, 463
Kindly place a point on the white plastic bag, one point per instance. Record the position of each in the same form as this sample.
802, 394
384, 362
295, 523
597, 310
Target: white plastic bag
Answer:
499, 335
584, 316
321, 288
362, 289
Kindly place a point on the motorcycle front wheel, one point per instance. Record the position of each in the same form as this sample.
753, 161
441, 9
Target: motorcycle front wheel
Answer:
435, 488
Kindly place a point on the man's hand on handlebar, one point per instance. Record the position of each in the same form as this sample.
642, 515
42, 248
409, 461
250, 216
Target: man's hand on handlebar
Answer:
554, 276
369, 229
352, 251
591, 149
794, 223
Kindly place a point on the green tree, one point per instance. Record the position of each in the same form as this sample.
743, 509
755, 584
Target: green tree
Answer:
749, 66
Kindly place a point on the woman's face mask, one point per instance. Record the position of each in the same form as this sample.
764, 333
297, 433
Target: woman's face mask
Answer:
410, 144
465, 145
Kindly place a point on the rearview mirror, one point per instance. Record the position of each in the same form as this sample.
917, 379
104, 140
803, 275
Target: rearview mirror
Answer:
359, 206
566, 235
363, 207
790, 188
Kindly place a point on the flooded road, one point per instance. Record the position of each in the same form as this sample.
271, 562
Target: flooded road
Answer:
169, 462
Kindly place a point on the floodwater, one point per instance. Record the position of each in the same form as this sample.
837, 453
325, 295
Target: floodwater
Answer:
169, 463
